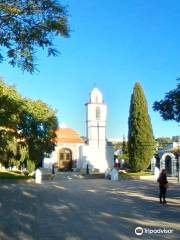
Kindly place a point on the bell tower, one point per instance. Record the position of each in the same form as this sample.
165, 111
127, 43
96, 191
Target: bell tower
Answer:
96, 114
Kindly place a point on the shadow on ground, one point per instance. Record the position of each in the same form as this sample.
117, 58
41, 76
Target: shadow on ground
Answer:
86, 210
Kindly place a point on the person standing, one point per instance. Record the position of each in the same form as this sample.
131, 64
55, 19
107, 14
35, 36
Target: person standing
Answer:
163, 184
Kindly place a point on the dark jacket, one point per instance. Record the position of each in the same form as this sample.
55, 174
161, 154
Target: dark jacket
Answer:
162, 180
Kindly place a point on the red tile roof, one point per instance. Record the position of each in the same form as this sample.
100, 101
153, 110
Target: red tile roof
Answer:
67, 135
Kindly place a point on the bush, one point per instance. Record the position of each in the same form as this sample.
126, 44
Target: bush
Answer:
30, 166
16, 171
26, 173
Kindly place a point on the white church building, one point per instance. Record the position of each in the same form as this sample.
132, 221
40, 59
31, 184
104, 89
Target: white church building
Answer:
74, 153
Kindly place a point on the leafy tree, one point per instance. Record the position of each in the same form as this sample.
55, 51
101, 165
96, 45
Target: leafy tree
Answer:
22, 154
162, 141
117, 145
37, 125
169, 107
10, 106
26, 25
30, 165
25, 122
8, 146
140, 134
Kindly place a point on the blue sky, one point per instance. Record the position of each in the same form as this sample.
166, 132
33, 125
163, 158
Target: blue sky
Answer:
113, 44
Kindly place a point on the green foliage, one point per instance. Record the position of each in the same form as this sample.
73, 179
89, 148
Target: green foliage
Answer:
30, 166
125, 149
140, 136
23, 154
28, 25
13, 175
133, 174
8, 147
162, 141
38, 123
169, 107
10, 105
27, 127
117, 145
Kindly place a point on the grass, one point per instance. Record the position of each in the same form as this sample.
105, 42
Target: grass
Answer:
13, 175
135, 174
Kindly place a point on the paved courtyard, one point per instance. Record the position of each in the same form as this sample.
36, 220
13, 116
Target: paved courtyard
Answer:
82, 209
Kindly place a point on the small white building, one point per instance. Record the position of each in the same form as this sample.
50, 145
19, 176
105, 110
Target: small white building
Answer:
167, 158
72, 152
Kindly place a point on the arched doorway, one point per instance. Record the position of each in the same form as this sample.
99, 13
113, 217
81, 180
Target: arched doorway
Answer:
168, 164
65, 159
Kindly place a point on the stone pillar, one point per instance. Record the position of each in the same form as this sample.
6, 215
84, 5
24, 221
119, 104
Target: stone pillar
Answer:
162, 163
173, 167
153, 163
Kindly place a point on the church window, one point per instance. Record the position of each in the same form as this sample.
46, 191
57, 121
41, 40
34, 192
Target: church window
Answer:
96, 99
97, 113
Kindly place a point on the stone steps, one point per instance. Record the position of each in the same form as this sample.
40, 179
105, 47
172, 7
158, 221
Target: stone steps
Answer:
77, 175
95, 176
68, 175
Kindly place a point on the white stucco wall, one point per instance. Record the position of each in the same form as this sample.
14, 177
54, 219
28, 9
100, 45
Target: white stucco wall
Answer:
74, 147
110, 155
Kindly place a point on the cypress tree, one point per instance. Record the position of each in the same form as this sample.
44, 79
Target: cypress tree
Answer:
140, 134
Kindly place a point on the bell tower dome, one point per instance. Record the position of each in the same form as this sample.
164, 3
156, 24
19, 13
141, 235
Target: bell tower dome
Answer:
96, 96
